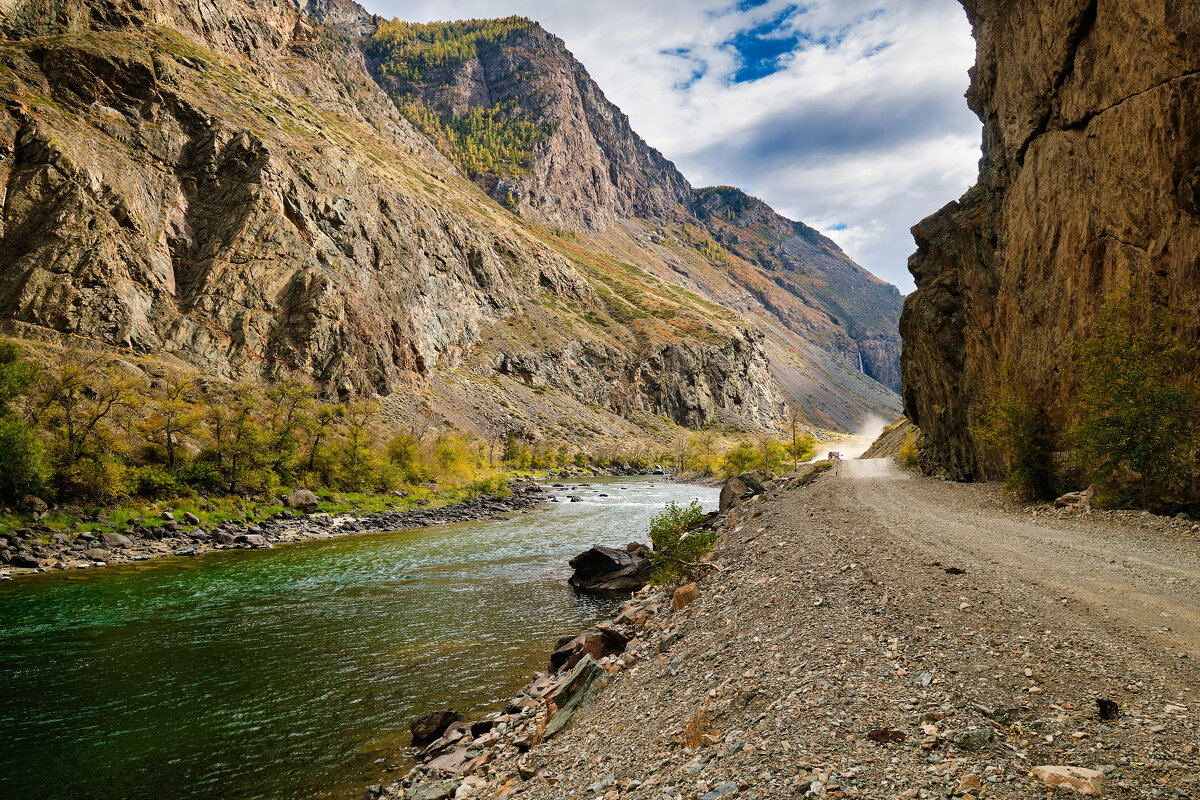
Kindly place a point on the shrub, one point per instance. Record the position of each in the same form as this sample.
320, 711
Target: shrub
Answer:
155, 482
1138, 430
24, 463
203, 476
1011, 422
678, 548
909, 456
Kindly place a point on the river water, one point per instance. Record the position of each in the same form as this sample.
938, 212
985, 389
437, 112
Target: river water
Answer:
285, 674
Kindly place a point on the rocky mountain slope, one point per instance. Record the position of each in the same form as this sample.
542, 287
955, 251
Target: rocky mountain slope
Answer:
519, 115
1088, 183
227, 185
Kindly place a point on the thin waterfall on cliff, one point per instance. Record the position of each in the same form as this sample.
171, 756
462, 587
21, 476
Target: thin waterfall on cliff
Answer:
860, 364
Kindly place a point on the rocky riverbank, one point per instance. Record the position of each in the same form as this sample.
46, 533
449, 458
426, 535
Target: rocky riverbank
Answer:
848, 641
39, 547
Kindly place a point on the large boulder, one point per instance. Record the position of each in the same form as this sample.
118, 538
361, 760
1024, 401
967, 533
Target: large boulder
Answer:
738, 489
303, 500
579, 686
433, 725
31, 504
25, 561
608, 569
116, 541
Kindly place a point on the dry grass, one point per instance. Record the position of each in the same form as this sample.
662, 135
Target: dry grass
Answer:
697, 729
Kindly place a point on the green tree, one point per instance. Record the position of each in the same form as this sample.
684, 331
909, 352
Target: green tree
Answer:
24, 463
742, 458
172, 416
359, 463
678, 547
288, 402
404, 453
1137, 433
1012, 423
85, 406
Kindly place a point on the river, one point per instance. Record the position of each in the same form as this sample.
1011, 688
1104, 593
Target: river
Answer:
287, 674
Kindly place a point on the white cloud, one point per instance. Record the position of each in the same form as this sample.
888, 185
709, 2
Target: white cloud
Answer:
864, 124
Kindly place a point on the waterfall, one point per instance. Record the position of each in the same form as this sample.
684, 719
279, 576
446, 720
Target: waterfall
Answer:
860, 364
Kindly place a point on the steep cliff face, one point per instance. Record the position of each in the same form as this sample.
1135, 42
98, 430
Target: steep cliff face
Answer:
582, 167
226, 183
1090, 182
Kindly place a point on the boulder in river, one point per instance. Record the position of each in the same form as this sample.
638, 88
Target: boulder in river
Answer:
433, 725
738, 489
608, 569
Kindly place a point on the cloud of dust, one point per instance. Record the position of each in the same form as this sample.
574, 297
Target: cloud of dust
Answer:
855, 445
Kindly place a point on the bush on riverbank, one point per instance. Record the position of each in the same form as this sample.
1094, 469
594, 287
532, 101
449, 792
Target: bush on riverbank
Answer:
678, 544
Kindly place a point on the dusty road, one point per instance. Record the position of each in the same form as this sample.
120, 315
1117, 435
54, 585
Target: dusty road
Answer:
1140, 584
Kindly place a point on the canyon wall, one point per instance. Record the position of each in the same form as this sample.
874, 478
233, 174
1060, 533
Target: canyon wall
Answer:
1089, 183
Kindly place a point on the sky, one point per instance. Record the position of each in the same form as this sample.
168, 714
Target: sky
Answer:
845, 114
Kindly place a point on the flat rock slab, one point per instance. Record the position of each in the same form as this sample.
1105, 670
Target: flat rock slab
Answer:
1077, 779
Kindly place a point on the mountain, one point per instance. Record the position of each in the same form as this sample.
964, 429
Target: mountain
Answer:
1088, 184
230, 187
521, 117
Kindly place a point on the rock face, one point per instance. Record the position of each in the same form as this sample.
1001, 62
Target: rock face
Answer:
589, 171
807, 283
231, 186
1089, 182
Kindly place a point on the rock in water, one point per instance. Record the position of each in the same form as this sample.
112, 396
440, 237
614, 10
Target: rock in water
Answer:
433, 725
607, 569
303, 500
738, 489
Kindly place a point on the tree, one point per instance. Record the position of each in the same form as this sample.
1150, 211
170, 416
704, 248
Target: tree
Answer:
1137, 432
795, 417
24, 464
1011, 422
358, 458
320, 427
85, 405
741, 458
175, 415
288, 402
245, 439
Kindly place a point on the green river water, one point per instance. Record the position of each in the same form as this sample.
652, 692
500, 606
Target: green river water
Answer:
285, 674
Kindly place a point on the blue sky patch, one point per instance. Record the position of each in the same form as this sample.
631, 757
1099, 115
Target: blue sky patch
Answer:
762, 48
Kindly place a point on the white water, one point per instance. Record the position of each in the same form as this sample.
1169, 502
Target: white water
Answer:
860, 363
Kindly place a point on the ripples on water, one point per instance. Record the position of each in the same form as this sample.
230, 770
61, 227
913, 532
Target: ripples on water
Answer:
280, 674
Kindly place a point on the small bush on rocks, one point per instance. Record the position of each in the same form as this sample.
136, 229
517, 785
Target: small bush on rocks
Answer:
678, 547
